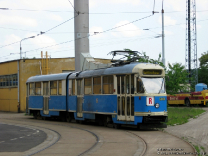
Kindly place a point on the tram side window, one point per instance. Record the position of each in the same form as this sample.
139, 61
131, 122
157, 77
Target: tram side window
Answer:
32, 88
88, 86
59, 87
73, 87
140, 88
118, 84
97, 85
132, 84
108, 84
53, 88
37, 88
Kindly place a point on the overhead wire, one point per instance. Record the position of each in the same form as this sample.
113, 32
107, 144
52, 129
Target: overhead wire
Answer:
43, 32
92, 34
72, 6
61, 23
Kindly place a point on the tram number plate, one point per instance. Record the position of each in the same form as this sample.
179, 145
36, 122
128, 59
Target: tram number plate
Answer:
162, 99
150, 101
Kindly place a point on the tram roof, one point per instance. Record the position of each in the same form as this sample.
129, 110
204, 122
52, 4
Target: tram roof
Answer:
124, 69
51, 77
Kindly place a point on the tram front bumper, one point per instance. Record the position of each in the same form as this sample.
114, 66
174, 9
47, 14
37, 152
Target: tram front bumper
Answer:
151, 113
149, 126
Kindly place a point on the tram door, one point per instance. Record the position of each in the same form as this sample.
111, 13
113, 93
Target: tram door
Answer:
80, 98
125, 88
46, 97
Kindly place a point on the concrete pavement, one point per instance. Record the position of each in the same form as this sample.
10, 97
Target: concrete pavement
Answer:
195, 131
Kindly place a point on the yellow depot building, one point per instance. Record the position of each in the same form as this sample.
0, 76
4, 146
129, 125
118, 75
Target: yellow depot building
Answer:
14, 74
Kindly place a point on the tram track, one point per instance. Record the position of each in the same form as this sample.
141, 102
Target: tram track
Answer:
186, 141
147, 141
59, 124
143, 142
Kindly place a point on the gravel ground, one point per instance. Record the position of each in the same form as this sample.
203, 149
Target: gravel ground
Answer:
195, 131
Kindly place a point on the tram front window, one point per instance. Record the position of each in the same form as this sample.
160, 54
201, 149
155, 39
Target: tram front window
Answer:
154, 85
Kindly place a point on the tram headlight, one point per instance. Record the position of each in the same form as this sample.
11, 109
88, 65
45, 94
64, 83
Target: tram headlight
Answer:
157, 105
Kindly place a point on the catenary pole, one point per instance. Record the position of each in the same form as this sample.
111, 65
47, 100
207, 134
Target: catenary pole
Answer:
81, 30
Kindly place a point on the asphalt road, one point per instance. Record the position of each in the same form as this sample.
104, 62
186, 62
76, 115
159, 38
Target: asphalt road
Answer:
78, 138
19, 139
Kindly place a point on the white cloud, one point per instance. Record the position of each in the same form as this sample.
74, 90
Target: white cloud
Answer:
92, 3
43, 4
177, 5
7, 19
129, 30
11, 39
6, 4
201, 4
134, 2
198, 26
43, 41
168, 32
183, 26
167, 20
56, 17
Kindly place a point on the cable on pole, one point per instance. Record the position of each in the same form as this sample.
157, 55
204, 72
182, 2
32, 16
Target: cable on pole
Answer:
72, 6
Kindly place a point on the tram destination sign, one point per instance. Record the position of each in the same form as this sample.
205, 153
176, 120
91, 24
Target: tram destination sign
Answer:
152, 72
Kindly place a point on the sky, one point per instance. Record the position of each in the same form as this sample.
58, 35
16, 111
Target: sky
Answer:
26, 18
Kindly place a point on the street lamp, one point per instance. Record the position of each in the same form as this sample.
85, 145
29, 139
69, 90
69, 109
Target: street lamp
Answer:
162, 35
21, 47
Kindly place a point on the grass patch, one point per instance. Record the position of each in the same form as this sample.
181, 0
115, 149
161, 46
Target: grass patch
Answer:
197, 149
200, 150
178, 116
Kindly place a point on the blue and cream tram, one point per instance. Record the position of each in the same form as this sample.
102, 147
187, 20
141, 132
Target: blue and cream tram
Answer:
132, 94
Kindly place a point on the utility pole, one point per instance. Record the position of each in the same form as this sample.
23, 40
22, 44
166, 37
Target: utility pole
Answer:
163, 37
191, 42
81, 30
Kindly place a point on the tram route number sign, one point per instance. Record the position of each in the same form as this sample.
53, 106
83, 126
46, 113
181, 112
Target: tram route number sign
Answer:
150, 101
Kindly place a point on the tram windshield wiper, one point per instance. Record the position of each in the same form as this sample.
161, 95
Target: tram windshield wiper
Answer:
162, 86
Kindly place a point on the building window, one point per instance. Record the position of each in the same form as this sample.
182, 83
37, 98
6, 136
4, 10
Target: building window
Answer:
108, 84
88, 86
97, 85
37, 88
8, 80
1, 81
53, 86
59, 87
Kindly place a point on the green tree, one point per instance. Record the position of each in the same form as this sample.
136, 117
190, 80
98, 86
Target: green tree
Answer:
176, 79
203, 68
145, 58
204, 60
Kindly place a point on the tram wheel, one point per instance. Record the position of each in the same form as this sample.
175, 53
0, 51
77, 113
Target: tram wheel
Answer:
38, 115
68, 118
117, 126
187, 102
35, 115
105, 123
